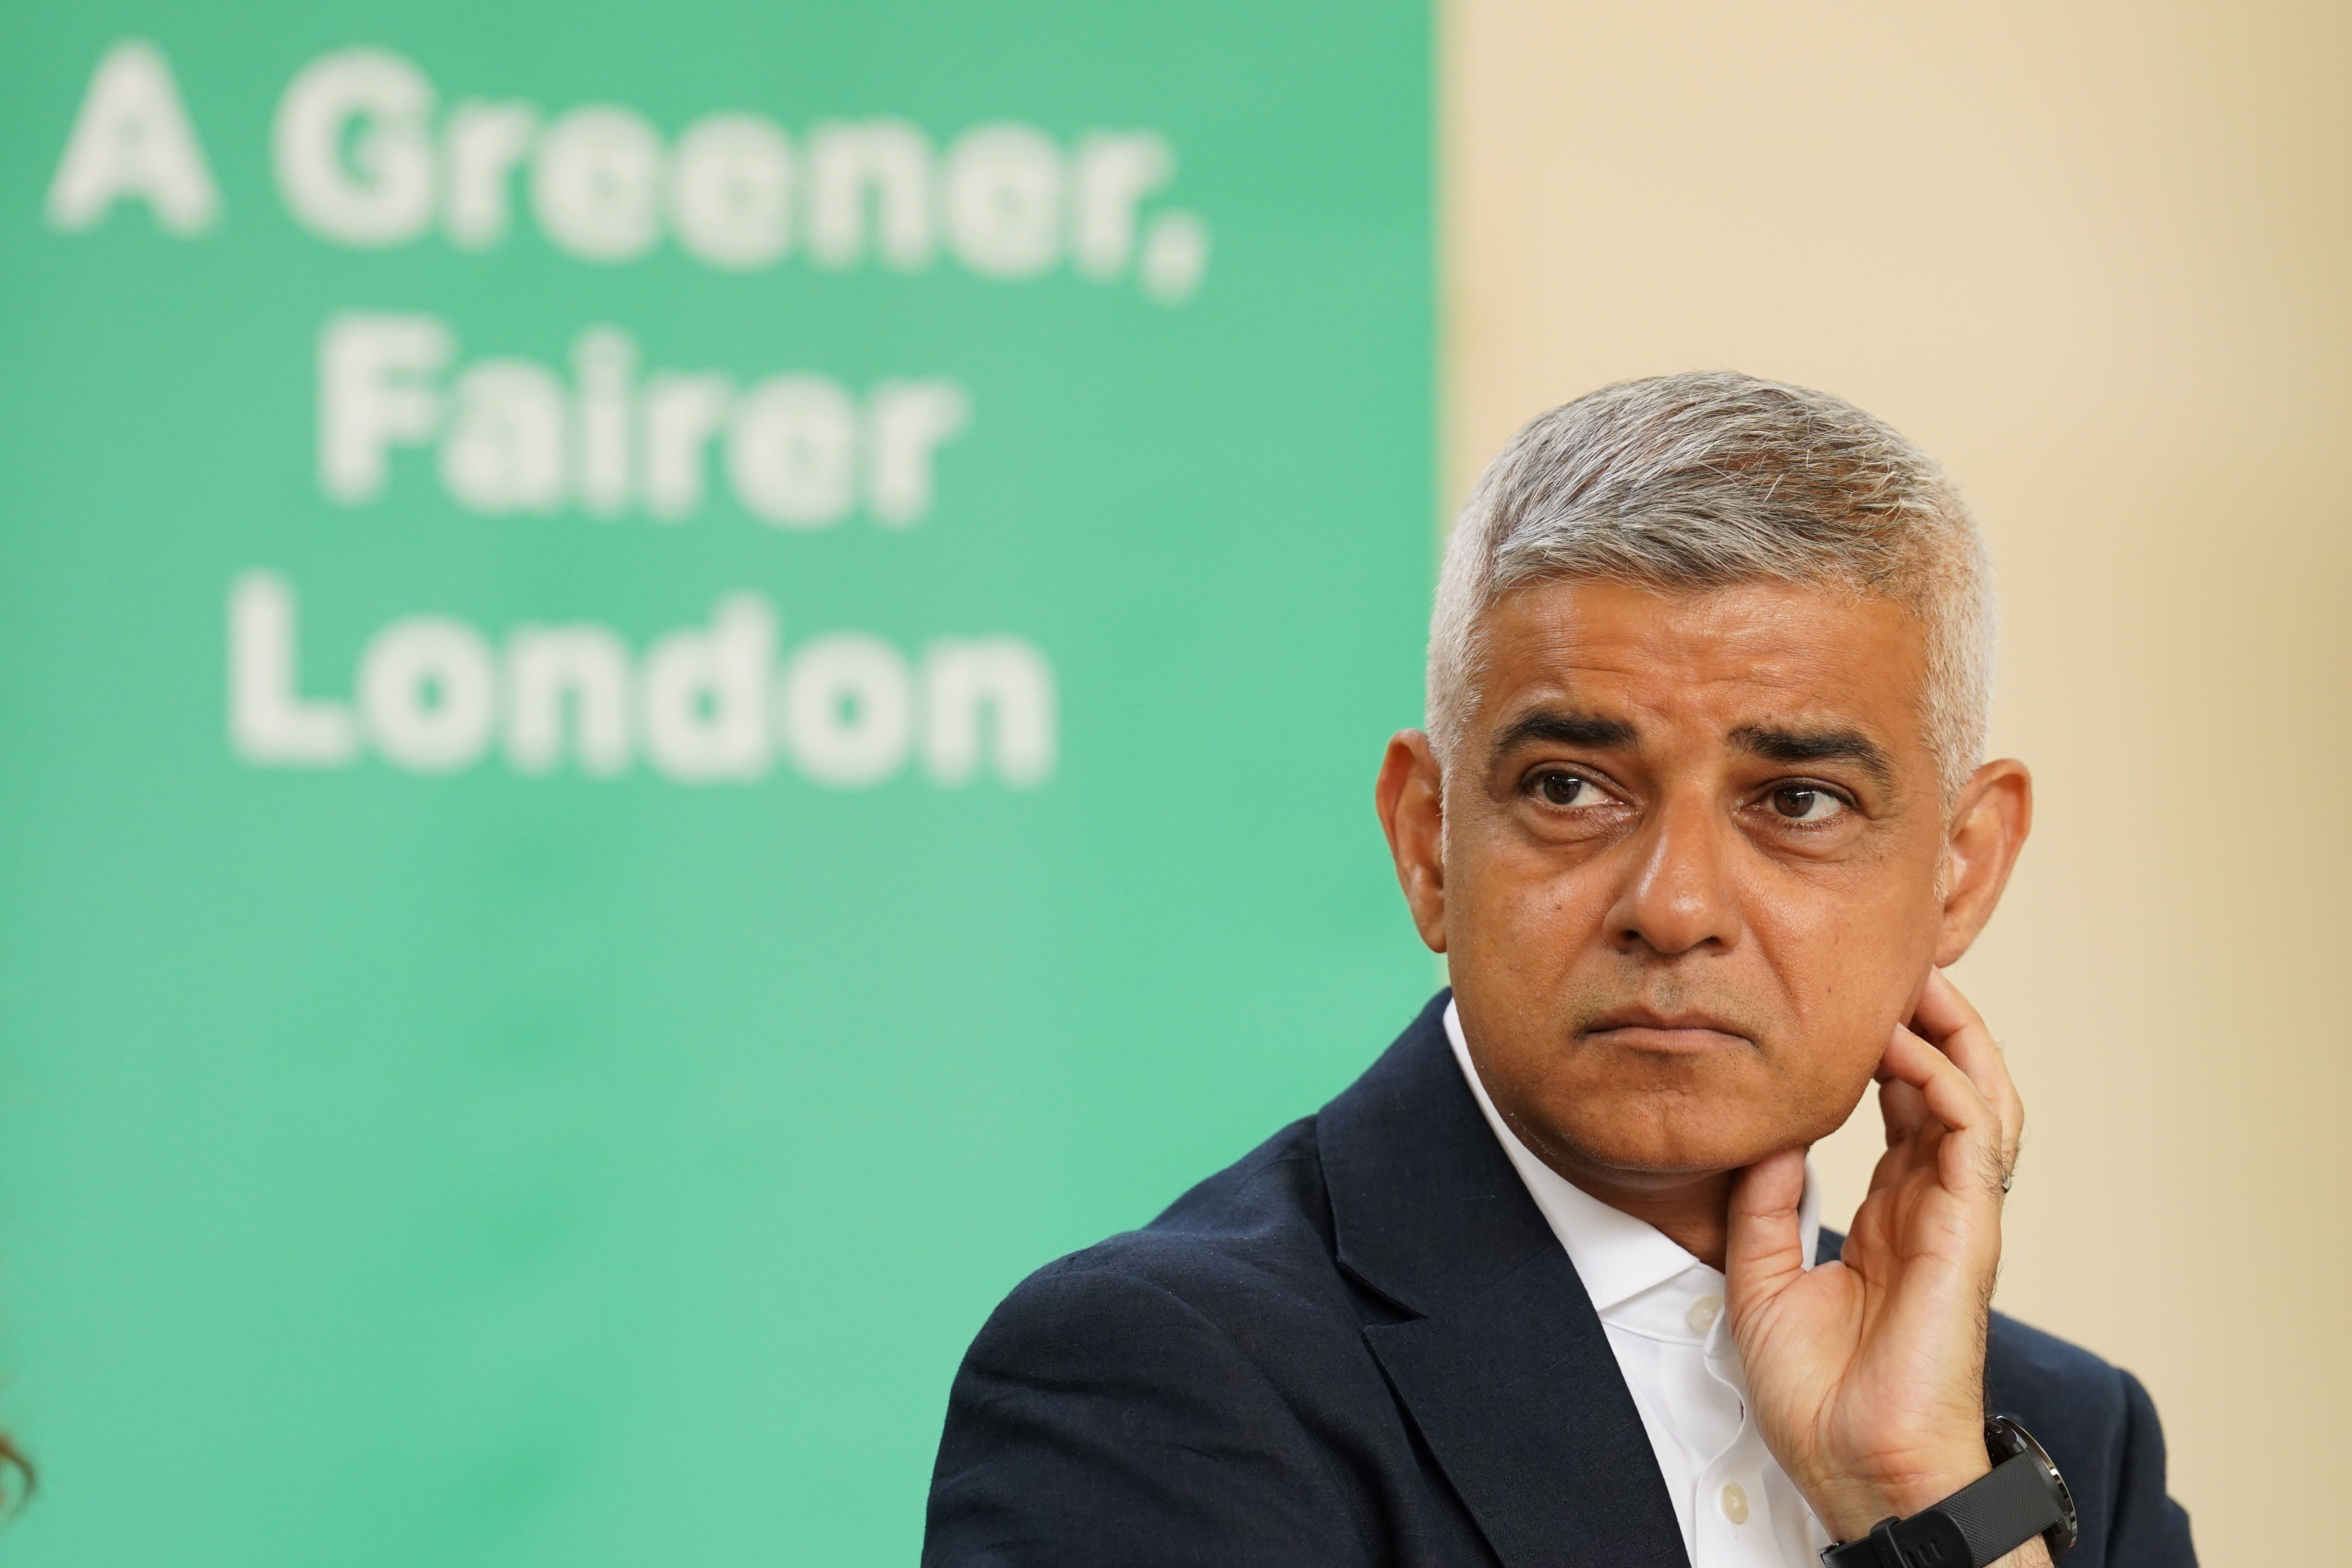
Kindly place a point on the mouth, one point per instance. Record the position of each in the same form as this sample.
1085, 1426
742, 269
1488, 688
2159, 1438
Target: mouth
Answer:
1678, 1033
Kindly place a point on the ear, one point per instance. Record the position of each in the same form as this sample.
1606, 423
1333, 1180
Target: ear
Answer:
1989, 823
1410, 798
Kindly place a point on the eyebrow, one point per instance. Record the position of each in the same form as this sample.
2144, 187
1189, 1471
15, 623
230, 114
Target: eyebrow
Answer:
1817, 746
1549, 726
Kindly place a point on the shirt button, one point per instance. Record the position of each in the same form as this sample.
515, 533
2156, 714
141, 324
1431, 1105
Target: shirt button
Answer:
1734, 1504
1703, 1312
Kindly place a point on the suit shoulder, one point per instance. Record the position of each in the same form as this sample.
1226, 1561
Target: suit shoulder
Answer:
1130, 1403
2100, 1427
2023, 1358
1280, 1180
1256, 1233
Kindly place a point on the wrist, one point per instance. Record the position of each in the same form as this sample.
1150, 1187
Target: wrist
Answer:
2017, 1514
1848, 1505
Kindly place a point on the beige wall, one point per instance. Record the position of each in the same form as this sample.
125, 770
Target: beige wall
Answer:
2098, 260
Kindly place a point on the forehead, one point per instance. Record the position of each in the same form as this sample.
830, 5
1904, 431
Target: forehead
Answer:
1717, 659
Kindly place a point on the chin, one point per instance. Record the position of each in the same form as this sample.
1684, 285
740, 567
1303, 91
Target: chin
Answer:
1672, 1135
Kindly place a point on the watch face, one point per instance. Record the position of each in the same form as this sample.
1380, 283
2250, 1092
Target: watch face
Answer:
2006, 1439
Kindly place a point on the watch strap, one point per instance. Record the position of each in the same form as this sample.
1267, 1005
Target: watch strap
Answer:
1978, 1525
2001, 1512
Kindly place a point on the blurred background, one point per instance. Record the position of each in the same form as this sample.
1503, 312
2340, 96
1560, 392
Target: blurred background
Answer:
681, 686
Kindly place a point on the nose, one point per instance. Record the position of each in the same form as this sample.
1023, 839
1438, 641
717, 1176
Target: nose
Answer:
1677, 896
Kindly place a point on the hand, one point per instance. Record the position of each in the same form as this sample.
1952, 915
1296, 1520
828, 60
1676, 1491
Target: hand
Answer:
1867, 1375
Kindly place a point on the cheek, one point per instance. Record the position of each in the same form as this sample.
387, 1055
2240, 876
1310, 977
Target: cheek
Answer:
1853, 966
1525, 901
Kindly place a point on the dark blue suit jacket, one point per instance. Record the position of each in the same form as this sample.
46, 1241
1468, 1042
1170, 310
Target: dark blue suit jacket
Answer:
1362, 1345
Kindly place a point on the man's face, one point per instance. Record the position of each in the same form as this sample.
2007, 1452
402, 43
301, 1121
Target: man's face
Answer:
1691, 846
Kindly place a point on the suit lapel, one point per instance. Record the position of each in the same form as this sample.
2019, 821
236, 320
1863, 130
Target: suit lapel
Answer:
1504, 1365
1526, 1410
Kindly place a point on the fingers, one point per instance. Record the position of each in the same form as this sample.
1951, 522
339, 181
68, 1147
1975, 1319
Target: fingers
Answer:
1946, 1020
1972, 1156
1763, 1250
1912, 1133
1902, 1107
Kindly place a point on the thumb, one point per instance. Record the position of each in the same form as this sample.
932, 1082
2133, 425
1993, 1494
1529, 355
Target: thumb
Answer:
1763, 1252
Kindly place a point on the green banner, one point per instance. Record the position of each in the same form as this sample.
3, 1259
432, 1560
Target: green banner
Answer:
679, 685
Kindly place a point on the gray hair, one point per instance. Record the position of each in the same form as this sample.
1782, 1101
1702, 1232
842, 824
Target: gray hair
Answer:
1707, 479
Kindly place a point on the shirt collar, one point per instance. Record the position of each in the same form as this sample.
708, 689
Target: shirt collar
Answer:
1616, 1255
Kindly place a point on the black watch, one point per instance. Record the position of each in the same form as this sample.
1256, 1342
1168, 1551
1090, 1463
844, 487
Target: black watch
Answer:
1983, 1521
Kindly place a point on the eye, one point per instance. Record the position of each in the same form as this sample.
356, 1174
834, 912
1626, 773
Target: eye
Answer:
1566, 789
1807, 803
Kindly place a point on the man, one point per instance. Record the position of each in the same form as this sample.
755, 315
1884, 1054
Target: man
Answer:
1698, 819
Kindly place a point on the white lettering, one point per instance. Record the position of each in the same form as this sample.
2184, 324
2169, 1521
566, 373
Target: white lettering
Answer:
1005, 201
730, 192
596, 184
480, 148
909, 421
682, 413
429, 694
1175, 257
370, 395
384, 195
505, 448
847, 709
586, 663
892, 160
793, 452
706, 696
269, 722
361, 161
132, 138
1114, 174
707, 703
603, 361
517, 435
962, 675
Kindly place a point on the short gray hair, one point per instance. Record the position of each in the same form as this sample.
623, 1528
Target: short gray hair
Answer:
1707, 479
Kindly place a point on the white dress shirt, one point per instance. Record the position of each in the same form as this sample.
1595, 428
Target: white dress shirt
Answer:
1663, 1311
